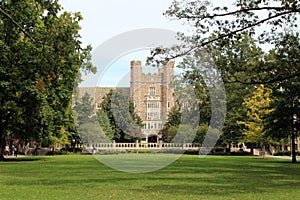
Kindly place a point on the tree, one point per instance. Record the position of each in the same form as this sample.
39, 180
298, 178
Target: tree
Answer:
84, 110
174, 117
242, 58
92, 128
222, 25
258, 107
91, 133
222, 29
125, 123
201, 133
285, 93
39, 62
185, 133
105, 125
171, 126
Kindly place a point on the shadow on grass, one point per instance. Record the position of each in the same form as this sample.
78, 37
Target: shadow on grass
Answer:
213, 177
25, 159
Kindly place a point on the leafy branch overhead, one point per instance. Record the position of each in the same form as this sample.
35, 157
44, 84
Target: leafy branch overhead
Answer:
211, 26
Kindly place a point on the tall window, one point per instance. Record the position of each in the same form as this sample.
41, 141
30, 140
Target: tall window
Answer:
152, 91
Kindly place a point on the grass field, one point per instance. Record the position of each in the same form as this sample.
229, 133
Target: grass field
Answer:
214, 177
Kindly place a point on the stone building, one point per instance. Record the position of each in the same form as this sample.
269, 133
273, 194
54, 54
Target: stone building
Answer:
152, 94
97, 94
150, 90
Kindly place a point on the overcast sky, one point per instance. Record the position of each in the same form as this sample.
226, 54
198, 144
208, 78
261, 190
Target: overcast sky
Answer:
104, 19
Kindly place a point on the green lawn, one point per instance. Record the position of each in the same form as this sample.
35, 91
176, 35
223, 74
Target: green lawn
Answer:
214, 177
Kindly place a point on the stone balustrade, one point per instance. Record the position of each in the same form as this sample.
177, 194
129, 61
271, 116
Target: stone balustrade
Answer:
142, 146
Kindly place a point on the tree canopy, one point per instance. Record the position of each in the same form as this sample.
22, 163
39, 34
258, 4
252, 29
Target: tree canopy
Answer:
250, 43
258, 108
40, 58
221, 26
125, 123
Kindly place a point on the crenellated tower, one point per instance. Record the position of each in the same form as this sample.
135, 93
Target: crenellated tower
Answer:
152, 94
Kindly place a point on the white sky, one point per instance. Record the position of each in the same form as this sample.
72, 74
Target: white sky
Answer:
103, 19
106, 18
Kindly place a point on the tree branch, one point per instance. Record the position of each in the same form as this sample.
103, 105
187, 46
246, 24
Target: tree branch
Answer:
278, 79
230, 34
17, 24
241, 11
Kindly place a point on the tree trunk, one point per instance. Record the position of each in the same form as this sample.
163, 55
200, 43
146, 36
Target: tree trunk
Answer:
293, 150
263, 147
251, 149
2, 145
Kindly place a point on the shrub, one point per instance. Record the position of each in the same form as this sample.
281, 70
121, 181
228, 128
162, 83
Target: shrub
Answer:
287, 153
282, 153
142, 151
278, 153
59, 152
221, 153
191, 152
240, 153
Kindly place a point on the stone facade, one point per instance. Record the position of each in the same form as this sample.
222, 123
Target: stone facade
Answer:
150, 91
152, 94
98, 93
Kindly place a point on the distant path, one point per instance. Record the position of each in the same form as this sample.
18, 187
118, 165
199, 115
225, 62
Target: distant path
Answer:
10, 156
282, 157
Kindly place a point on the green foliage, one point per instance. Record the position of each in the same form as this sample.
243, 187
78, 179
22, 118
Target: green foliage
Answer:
180, 126
124, 122
60, 152
84, 110
223, 26
193, 88
105, 125
39, 62
224, 22
88, 127
201, 133
91, 133
174, 117
171, 126
235, 95
239, 61
285, 93
282, 153
231, 37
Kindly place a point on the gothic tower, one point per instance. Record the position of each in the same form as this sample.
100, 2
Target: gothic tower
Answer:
152, 94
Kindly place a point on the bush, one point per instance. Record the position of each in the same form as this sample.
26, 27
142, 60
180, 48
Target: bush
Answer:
192, 152
59, 152
287, 153
142, 151
282, 153
234, 153
240, 153
220, 153
278, 153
